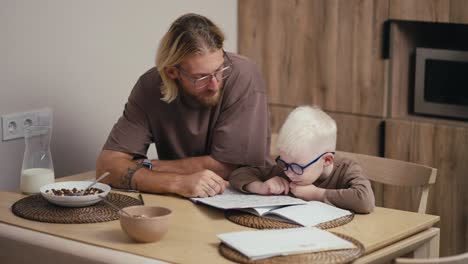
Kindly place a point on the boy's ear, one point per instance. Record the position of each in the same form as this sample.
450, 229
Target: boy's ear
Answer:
172, 72
328, 159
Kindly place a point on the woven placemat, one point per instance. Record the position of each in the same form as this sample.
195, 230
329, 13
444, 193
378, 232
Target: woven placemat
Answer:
37, 208
250, 220
323, 257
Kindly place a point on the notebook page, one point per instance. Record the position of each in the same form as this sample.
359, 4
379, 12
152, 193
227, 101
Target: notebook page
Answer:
311, 213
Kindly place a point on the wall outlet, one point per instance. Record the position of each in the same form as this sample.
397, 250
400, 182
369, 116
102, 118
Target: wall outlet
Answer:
14, 124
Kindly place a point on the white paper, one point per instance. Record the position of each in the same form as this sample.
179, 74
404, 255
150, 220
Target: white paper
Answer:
269, 243
232, 199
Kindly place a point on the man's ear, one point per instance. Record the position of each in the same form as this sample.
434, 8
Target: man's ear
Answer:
328, 159
172, 72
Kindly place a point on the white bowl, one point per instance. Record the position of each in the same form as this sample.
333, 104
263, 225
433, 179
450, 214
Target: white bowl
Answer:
73, 201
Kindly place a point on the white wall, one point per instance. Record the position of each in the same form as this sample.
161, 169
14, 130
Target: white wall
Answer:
82, 58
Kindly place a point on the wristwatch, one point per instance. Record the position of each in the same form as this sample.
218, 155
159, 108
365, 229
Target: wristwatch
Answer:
147, 164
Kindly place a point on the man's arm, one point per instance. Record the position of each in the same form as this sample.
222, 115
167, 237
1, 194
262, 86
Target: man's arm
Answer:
193, 165
126, 174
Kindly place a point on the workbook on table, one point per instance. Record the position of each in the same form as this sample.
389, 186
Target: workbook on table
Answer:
268, 243
278, 207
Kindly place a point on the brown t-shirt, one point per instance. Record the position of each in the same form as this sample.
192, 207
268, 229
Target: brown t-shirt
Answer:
235, 131
347, 186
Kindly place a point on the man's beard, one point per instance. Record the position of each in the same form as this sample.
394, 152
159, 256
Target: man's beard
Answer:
207, 98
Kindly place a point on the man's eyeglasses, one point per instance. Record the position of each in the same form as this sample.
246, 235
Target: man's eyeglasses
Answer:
296, 168
202, 82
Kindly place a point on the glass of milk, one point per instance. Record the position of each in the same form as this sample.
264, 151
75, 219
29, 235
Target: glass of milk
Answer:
37, 169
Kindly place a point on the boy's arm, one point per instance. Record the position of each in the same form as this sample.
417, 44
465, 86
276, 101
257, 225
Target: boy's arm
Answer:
241, 177
355, 192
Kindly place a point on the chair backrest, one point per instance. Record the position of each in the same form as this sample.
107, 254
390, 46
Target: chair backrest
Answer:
397, 173
457, 259
389, 171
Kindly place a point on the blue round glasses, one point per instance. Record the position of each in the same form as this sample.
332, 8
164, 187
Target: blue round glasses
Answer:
296, 168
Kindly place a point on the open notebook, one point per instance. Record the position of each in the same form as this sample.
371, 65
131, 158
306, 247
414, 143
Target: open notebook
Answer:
279, 207
232, 199
268, 243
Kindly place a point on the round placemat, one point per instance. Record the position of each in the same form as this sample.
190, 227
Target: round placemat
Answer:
250, 220
323, 257
37, 208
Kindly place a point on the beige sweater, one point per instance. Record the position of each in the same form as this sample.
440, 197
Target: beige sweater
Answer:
347, 186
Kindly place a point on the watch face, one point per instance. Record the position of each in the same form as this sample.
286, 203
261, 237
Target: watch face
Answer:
147, 163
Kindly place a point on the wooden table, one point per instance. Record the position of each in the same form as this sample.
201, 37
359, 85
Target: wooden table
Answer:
385, 233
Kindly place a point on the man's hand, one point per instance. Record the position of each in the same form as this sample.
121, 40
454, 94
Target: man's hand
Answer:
307, 192
205, 183
275, 185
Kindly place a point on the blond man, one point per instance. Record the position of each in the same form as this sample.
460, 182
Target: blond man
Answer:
192, 105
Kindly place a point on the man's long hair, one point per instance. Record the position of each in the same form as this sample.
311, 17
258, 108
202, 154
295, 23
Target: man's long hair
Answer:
190, 34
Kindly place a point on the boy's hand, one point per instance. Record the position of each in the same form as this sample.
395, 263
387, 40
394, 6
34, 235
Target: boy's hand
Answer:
307, 192
275, 185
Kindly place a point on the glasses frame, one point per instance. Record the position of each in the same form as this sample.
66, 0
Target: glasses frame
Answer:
293, 165
208, 76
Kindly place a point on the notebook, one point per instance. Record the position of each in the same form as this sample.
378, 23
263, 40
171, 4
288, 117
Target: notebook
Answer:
232, 199
279, 242
278, 207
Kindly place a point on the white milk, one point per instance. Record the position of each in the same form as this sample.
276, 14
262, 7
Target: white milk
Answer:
33, 179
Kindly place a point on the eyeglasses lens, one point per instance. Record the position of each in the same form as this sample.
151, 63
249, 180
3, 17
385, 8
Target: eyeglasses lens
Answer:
219, 75
281, 164
296, 169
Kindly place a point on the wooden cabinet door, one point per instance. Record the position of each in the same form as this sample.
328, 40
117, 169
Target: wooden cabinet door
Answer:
324, 52
448, 11
444, 148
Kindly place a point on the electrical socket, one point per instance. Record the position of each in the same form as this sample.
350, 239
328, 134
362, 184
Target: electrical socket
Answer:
14, 124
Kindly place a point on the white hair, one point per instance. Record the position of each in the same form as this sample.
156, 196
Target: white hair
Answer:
307, 128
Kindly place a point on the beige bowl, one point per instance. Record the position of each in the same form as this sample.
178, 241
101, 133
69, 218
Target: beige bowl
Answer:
148, 224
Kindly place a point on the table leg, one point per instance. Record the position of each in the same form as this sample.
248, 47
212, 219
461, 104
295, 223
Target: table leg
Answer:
426, 241
430, 248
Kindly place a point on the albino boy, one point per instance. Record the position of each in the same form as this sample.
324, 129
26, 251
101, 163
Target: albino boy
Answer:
307, 166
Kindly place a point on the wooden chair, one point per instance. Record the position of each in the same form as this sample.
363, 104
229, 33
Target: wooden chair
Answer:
397, 173
389, 171
457, 259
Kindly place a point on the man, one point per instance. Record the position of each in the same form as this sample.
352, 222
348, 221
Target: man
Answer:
205, 109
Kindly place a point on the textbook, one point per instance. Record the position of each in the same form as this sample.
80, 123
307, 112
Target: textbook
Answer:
262, 244
309, 214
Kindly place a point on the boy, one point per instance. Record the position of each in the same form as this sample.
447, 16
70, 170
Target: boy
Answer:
307, 166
